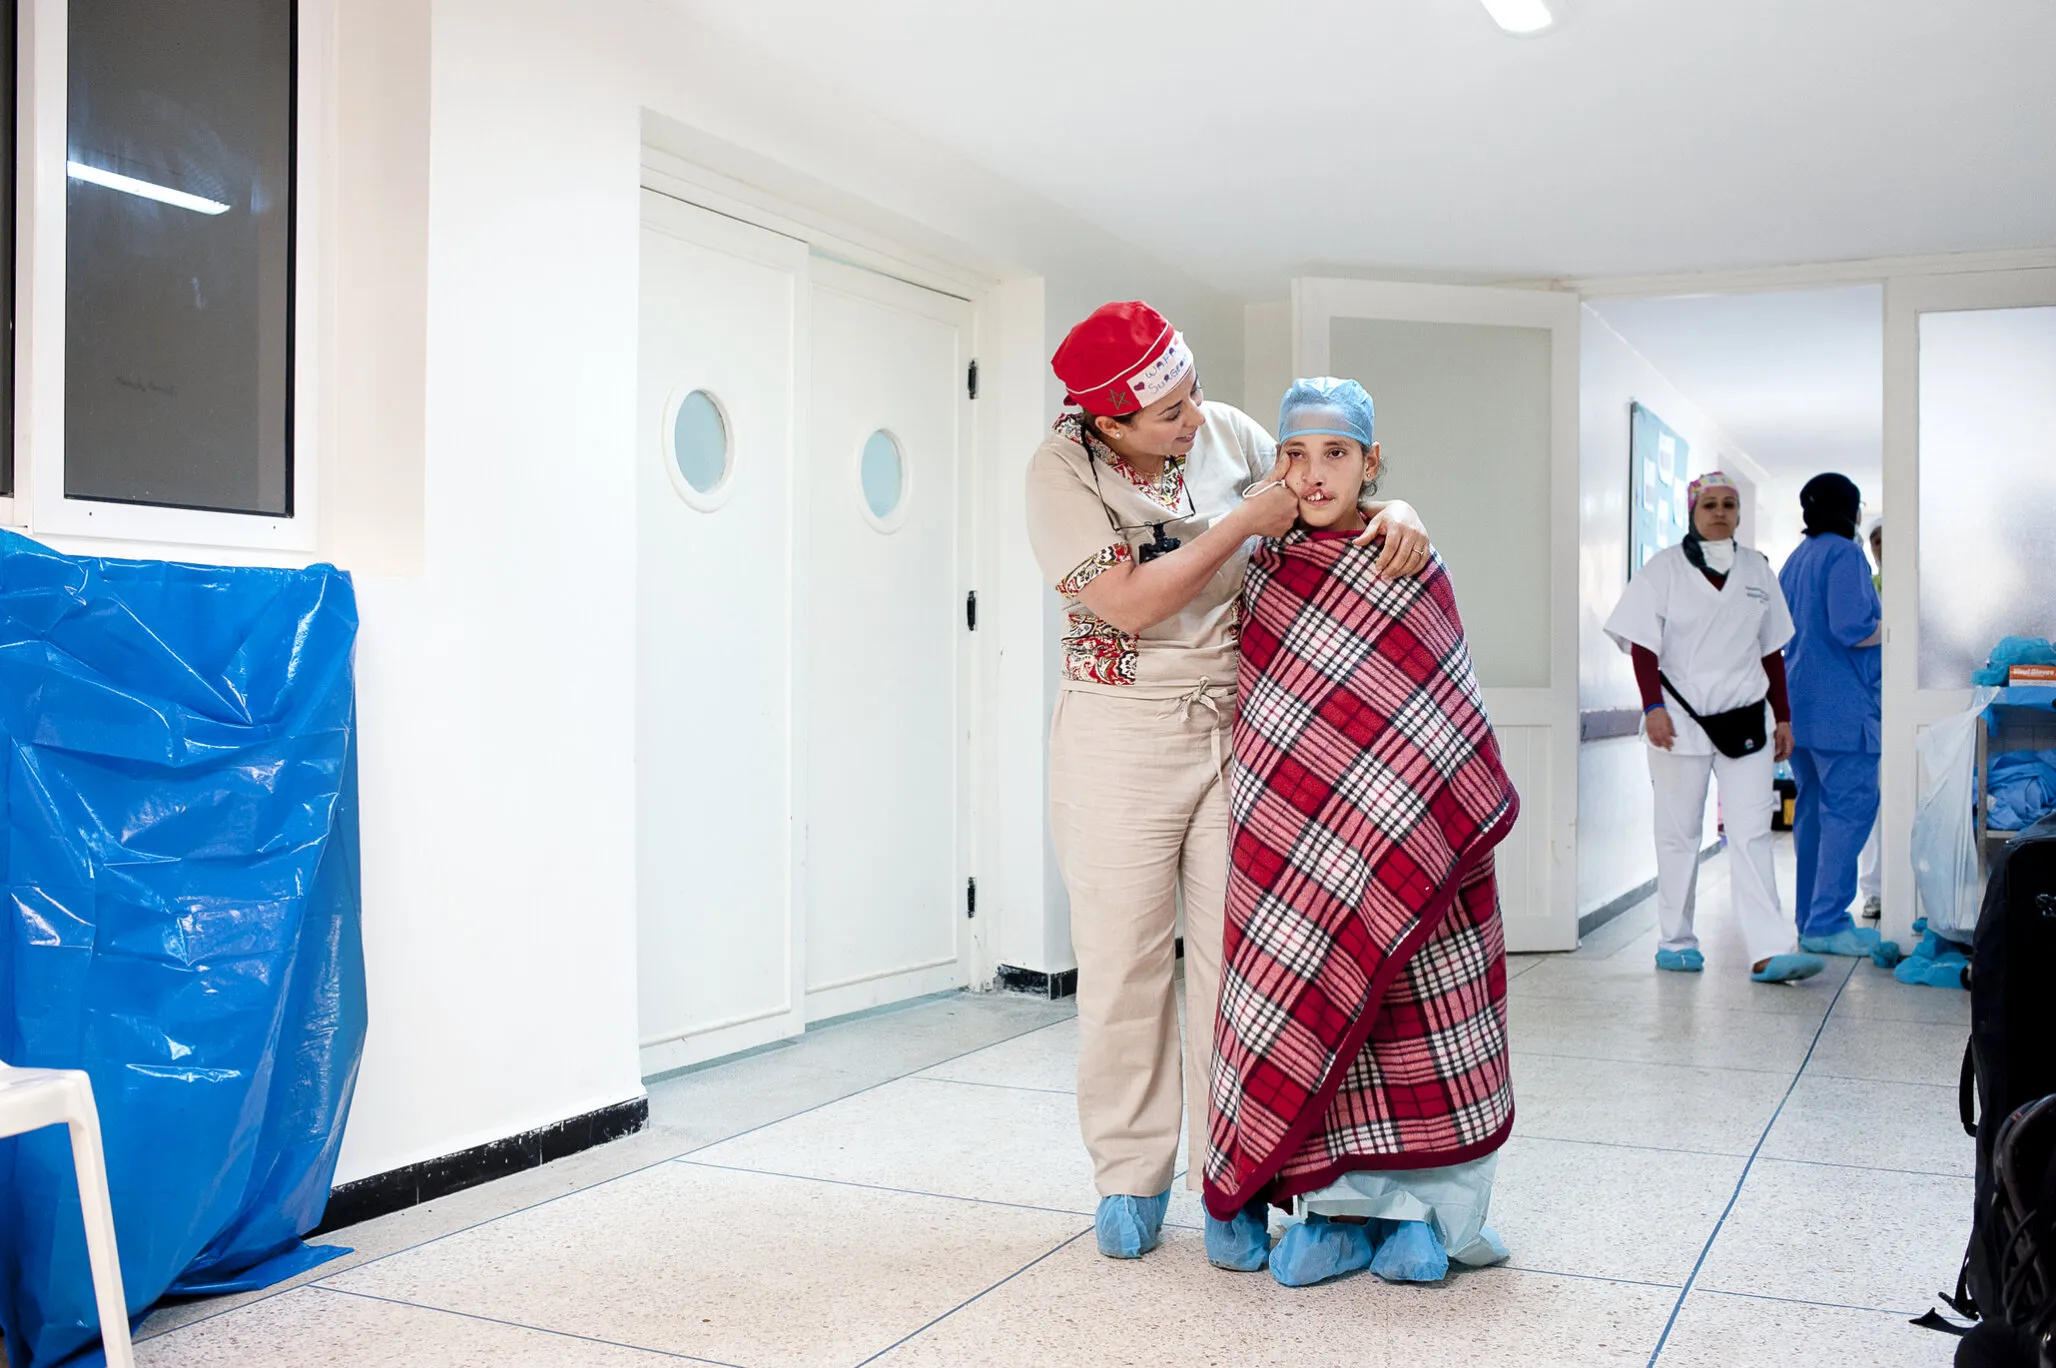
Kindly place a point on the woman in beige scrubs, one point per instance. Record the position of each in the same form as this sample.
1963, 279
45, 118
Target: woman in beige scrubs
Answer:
1137, 514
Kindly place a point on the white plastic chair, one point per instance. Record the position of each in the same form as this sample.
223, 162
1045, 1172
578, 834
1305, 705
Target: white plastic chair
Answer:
33, 1098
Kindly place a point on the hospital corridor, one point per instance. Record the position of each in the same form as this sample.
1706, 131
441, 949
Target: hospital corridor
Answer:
799, 685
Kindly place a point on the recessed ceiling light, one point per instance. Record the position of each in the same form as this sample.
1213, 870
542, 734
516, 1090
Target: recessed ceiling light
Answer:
1519, 16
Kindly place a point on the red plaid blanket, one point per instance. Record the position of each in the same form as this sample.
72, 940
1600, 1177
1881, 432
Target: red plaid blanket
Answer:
1362, 1020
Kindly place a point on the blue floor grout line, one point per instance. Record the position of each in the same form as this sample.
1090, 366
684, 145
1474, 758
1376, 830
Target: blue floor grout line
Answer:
1535, 994
968, 1300
645, 1168
873, 1087
519, 1325
1520, 1134
981, 1083
1583, 1277
1869, 1168
1653, 1063
880, 1187
1736, 1195
1802, 1301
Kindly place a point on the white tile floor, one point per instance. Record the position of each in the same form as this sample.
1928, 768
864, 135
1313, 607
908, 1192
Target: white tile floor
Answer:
1704, 1172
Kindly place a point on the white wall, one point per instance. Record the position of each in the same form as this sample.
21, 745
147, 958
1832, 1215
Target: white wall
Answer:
496, 685
1615, 846
1266, 358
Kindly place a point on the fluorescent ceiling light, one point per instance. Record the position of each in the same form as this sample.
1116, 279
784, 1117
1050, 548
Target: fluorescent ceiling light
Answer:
129, 185
1519, 16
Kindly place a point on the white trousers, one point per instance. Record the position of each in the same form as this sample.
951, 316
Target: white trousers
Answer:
1870, 869
1746, 799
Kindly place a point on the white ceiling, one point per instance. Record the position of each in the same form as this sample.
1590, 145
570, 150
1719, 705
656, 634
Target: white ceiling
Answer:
1795, 378
1249, 141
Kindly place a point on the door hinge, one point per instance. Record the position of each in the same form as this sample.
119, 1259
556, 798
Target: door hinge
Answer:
970, 897
971, 611
971, 379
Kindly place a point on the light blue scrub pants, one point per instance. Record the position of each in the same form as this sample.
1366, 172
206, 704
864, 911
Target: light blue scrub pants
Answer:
1832, 817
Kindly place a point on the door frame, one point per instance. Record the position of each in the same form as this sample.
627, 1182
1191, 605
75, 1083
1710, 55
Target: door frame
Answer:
835, 237
1911, 285
1908, 708
1316, 303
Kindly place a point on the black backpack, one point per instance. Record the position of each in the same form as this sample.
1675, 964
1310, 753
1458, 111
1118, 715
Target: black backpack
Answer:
2011, 1058
2019, 1240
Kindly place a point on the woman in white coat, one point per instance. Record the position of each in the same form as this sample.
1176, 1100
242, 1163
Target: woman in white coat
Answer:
1706, 625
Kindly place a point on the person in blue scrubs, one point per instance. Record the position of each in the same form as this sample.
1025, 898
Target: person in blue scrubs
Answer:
1835, 682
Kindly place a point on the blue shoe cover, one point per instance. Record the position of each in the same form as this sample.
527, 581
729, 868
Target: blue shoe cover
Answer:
1854, 942
1788, 969
1318, 1249
1242, 1243
1680, 961
1128, 1227
1412, 1253
1885, 954
1943, 971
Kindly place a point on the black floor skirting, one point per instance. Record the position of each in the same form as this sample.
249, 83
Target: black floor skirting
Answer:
432, 1178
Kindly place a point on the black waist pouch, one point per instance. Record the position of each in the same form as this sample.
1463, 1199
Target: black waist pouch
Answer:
1734, 733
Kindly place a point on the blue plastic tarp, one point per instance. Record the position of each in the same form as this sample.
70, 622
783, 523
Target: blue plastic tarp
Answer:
178, 917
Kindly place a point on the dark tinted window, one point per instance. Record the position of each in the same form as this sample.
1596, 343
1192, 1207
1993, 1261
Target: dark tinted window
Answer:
178, 254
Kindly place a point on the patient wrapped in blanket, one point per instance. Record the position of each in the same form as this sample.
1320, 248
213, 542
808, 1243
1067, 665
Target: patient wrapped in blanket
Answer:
1360, 1057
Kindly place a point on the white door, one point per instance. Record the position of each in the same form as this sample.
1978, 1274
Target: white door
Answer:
1477, 399
722, 333
1970, 497
886, 715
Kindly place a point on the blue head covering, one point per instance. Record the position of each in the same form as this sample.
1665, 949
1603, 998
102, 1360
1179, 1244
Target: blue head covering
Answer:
1325, 405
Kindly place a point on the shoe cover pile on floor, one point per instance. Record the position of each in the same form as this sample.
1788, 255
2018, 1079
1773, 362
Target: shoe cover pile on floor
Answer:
1936, 962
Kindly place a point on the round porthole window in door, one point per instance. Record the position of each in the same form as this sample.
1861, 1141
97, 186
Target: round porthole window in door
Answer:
882, 476
700, 450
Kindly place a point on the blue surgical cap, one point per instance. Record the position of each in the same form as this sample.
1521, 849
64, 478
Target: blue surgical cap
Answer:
1338, 408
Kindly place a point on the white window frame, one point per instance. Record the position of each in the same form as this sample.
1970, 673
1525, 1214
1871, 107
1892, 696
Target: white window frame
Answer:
42, 138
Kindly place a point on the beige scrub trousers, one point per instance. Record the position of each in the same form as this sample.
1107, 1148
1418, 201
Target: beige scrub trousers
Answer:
1140, 750
1138, 796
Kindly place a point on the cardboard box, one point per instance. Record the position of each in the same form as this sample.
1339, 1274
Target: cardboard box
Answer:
2031, 674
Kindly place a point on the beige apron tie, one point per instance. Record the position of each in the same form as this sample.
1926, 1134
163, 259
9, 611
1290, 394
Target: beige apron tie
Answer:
1201, 694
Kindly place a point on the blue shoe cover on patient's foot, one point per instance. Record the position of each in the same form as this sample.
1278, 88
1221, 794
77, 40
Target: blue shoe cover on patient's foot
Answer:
1788, 969
1856, 942
1128, 1227
1243, 1243
1411, 1253
1318, 1249
1681, 961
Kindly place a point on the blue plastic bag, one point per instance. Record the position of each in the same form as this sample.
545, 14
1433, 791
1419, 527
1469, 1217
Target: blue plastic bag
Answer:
178, 917
2023, 788
2013, 651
